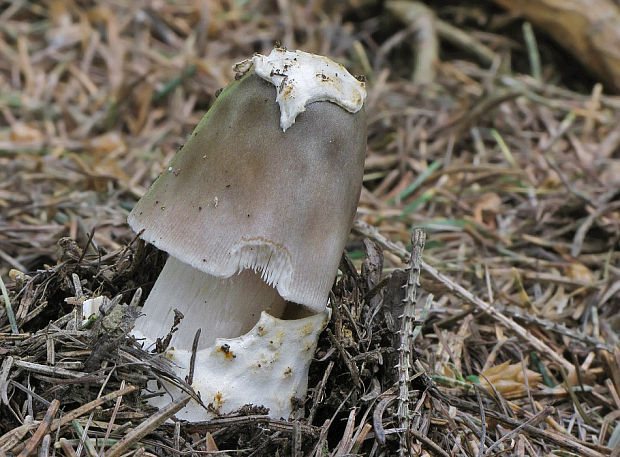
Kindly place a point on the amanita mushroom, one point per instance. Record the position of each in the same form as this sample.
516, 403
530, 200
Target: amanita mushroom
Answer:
254, 212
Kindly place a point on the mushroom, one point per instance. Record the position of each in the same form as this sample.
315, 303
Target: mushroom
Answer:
254, 212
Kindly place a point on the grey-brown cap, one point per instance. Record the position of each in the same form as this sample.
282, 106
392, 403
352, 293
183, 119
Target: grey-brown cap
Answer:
242, 193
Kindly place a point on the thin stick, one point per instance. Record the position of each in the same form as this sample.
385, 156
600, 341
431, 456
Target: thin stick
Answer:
192, 361
84, 440
65, 445
112, 419
532, 422
430, 444
90, 448
89, 407
42, 430
146, 427
9, 309
532, 51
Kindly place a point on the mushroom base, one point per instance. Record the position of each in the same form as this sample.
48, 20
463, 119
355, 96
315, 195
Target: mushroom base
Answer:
267, 366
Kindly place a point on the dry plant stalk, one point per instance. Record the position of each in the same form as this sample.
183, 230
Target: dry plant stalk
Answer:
407, 321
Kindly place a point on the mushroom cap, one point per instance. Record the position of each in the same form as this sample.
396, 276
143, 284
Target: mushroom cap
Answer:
244, 194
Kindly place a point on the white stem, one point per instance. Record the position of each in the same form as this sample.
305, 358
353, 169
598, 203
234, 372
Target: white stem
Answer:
220, 307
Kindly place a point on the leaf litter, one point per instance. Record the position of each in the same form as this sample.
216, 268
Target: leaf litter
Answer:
500, 337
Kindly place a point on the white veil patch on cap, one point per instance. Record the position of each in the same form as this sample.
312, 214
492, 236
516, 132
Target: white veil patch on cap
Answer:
302, 78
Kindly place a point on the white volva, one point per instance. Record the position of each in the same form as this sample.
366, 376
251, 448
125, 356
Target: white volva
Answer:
267, 366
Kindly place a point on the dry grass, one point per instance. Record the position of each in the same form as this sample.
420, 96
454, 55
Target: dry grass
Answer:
514, 180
